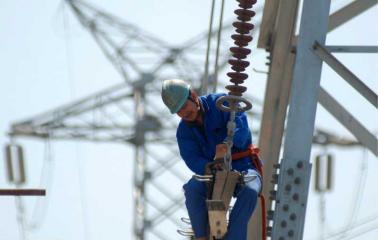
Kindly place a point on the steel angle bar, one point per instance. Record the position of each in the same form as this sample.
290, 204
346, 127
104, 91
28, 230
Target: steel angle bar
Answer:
345, 73
92, 127
196, 40
87, 13
22, 192
108, 116
167, 193
158, 234
77, 107
278, 28
166, 164
352, 49
169, 210
292, 198
268, 23
59, 136
166, 213
163, 211
323, 138
278, 84
347, 120
348, 12
343, 15
162, 115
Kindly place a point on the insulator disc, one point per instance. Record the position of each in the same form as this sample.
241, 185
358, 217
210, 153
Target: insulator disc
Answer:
234, 94
242, 38
236, 90
244, 14
241, 43
240, 50
242, 31
238, 68
238, 63
246, 3
237, 75
239, 56
243, 27
236, 81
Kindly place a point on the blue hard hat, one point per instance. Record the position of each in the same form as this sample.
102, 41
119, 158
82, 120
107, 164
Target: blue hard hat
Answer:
174, 93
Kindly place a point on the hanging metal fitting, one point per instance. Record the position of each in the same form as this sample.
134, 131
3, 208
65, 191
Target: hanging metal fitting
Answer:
250, 178
235, 100
203, 178
186, 233
185, 220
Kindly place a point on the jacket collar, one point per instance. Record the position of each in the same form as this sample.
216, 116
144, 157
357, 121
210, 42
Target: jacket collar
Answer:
204, 104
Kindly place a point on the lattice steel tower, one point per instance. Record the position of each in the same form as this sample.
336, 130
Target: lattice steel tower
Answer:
132, 113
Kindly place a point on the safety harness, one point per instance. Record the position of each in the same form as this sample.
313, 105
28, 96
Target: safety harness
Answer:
221, 185
253, 152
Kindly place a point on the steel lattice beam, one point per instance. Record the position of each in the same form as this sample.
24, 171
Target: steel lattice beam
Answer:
278, 38
130, 113
143, 61
295, 170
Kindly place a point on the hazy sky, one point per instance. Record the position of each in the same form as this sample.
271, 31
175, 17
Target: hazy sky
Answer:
48, 60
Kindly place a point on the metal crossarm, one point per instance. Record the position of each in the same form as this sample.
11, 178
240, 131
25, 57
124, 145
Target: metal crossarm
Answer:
22, 192
352, 49
346, 74
362, 134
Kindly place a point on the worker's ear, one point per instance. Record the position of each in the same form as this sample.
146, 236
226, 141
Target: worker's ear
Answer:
194, 97
193, 94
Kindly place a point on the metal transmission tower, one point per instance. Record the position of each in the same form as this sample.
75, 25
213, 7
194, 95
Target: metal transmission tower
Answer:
129, 113
295, 70
138, 56
144, 61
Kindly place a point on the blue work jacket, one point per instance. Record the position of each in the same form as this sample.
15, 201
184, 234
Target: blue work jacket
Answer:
197, 146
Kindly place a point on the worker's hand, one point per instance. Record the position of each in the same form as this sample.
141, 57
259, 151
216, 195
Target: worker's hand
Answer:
216, 165
220, 150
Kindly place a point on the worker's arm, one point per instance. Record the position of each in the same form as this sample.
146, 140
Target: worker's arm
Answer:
191, 153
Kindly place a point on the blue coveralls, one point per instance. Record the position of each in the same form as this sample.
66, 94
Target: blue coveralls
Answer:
197, 148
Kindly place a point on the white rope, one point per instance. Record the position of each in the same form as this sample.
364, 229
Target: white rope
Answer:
218, 47
206, 75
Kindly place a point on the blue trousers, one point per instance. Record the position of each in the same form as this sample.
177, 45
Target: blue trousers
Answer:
246, 198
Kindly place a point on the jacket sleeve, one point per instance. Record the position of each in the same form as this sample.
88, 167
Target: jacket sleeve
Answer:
191, 153
242, 132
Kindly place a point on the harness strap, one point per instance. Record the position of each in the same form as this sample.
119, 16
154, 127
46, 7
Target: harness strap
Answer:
253, 152
263, 216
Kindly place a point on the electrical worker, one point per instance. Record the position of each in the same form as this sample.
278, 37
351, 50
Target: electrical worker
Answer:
201, 138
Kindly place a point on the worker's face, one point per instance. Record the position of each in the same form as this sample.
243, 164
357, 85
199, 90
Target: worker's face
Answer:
189, 111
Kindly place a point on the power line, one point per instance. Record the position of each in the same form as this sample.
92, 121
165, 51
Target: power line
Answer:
359, 190
46, 179
357, 225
